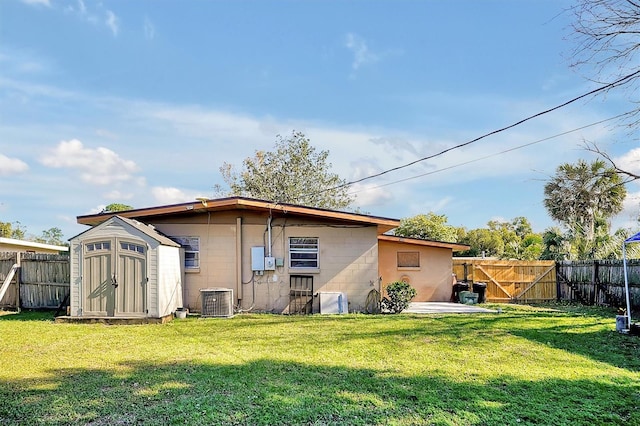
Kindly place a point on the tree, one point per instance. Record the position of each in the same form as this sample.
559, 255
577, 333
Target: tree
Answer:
582, 195
116, 207
293, 173
428, 226
51, 236
513, 239
606, 36
12, 230
556, 246
483, 242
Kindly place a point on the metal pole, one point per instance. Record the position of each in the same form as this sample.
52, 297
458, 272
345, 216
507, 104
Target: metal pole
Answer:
626, 284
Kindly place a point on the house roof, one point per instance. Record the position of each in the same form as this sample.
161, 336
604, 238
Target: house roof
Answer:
241, 203
32, 244
148, 230
419, 242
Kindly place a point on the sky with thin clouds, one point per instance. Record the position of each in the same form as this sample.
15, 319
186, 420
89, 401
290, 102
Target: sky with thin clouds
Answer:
142, 102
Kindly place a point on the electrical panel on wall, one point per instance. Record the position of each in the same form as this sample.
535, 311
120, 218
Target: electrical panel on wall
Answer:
269, 263
257, 258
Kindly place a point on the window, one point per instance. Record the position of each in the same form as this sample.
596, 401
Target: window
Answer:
408, 259
303, 252
132, 247
102, 245
191, 246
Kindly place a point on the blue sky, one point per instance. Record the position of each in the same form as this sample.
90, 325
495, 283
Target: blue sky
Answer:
141, 102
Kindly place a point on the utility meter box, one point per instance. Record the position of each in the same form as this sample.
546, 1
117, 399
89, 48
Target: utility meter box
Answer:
257, 258
269, 263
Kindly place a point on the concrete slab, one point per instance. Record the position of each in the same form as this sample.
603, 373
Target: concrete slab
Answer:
112, 320
444, 308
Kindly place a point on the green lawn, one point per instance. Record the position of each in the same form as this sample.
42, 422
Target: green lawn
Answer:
524, 366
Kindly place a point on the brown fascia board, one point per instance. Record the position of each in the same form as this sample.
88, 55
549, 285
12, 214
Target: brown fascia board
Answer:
240, 203
419, 242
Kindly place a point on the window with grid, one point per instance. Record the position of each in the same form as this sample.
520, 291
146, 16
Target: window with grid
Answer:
304, 252
191, 246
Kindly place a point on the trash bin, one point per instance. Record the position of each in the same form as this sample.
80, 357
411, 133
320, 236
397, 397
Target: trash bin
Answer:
481, 289
457, 288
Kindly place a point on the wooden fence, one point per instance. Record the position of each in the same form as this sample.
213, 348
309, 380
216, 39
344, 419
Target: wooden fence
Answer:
510, 280
599, 282
42, 280
594, 282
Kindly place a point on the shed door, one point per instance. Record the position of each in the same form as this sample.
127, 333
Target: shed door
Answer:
114, 278
97, 284
131, 294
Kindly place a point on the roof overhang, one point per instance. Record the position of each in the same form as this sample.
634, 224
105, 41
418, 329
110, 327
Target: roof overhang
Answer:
32, 244
241, 203
427, 243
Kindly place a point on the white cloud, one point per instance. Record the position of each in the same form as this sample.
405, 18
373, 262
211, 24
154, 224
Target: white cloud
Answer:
9, 166
630, 161
149, 29
361, 53
168, 195
118, 195
37, 2
99, 166
112, 22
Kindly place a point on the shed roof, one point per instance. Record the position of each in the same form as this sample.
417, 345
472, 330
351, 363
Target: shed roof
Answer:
148, 230
242, 203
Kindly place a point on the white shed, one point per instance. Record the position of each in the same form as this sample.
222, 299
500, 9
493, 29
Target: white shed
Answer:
124, 268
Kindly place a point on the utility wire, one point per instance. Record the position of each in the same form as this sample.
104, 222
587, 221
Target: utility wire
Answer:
492, 155
618, 82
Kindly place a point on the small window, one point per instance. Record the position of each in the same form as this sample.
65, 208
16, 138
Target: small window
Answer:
304, 252
132, 247
191, 246
102, 245
408, 259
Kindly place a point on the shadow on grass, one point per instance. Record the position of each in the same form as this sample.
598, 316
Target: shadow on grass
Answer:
267, 392
588, 335
27, 315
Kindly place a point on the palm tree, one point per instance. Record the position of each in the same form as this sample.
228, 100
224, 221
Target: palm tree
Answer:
583, 197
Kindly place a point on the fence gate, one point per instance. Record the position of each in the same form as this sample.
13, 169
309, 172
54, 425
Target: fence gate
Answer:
510, 280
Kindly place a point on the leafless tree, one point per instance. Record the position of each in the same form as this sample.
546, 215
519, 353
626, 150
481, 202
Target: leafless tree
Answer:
607, 47
626, 175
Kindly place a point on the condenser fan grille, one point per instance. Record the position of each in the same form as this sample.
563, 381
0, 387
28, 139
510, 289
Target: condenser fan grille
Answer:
217, 302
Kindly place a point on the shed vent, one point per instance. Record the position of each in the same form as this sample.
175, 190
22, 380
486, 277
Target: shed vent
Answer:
217, 302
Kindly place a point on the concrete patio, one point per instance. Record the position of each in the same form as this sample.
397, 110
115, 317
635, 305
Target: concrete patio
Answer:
445, 308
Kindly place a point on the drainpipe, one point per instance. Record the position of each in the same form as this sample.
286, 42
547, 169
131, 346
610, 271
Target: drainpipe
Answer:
239, 258
269, 237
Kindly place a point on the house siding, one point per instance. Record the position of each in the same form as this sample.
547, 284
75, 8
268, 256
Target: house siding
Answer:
348, 258
432, 279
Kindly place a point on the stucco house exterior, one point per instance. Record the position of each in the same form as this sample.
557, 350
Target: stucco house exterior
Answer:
283, 258
425, 265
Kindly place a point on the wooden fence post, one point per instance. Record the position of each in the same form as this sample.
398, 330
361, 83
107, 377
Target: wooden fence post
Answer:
18, 280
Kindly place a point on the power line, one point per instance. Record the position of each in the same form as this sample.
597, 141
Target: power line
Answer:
618, 82
493, 155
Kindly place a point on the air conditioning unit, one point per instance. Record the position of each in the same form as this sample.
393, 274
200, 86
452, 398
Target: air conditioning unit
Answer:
333, 302
217, 302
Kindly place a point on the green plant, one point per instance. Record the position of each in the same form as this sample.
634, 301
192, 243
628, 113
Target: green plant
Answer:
399, 295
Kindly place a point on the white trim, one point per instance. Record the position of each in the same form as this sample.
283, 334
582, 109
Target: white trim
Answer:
32, 244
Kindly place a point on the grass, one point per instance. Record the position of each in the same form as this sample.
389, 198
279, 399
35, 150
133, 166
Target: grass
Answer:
528, 365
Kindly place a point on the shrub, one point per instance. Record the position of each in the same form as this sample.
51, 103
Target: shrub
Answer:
399, 295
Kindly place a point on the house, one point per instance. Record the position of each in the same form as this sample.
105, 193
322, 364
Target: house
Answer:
425, 265
12, 245
269, 257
